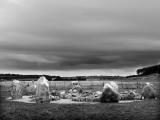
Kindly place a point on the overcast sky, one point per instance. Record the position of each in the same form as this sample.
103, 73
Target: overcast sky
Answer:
78, 37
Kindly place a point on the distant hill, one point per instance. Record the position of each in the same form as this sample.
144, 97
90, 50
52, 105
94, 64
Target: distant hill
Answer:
22, 77
56, 78
90, 78
152, 72
144, 78
4, 77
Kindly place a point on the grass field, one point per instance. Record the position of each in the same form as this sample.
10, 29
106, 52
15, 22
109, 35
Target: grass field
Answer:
140, 110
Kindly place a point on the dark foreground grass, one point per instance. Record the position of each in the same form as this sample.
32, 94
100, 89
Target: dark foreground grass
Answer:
140, 110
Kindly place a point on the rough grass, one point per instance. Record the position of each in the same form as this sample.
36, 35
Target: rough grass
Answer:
140, 110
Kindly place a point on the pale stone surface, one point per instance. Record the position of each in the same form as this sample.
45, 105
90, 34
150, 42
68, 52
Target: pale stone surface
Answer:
110, 92
16, 89
76, 88
148, 91
42, 90
31, 89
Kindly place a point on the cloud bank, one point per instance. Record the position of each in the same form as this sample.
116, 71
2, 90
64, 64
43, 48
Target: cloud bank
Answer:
77, 35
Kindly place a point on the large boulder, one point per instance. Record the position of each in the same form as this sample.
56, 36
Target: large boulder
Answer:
62, 94
55, 93
42, 90
128, 95
31, 89
148, 91
16, 89
98, 94
110, 93
76, 88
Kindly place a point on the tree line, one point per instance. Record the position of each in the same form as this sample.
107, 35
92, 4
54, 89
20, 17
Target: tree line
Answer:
149, 70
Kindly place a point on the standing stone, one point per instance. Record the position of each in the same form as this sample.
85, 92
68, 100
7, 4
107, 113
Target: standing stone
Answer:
148, 91
42, 90
16, 89
110, 93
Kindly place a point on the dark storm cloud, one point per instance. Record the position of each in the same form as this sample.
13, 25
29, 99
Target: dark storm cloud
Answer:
104, 60
78, 34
